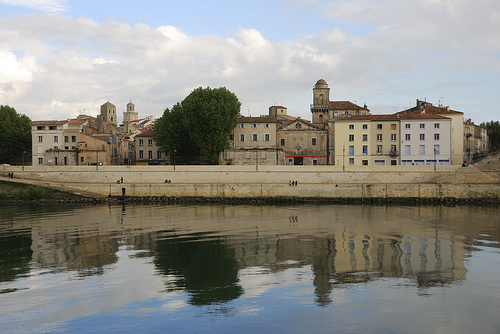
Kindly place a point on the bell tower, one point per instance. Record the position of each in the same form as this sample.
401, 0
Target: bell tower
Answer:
130, 115
321, 101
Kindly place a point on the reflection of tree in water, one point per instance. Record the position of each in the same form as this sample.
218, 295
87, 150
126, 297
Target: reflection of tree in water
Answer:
15, 256
207, 269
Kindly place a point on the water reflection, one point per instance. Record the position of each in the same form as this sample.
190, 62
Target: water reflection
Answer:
207, 269
202, 250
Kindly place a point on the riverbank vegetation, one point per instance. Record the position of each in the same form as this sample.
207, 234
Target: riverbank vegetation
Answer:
13, 191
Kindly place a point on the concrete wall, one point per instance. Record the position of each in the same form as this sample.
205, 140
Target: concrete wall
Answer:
267, 181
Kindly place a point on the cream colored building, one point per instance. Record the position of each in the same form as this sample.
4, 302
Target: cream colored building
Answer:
367, 140
457, 126
146, 151
253, 142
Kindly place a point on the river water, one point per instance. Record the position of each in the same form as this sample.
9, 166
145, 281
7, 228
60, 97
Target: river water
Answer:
265, 269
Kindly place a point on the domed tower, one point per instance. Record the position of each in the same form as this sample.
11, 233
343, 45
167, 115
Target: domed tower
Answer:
321, 100
108, 113
130, 115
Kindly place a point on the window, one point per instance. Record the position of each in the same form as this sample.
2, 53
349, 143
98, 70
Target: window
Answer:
254, 126
351, 150
379, 137
436, 125
407, 126
379, 126
282, 141
313, 142
56, 139
365, 150
422, 125
351, 161
408, 149
379, 149
422, 149
315, 162
141, 154
365, 126
436, 149
141, 142
242, 126
231, 136
393, 137
81, 159
379, 162
267, 126
393, 126
158, 155
150, 155
255, 137
436, 136
351, 137
40, 127
242, 137
40, 139
150, 142
351, 126
40, 161
393, 149
394, 162
52, 127
407, 136
298, 126
422, 136
267, 137
73, 139
364, 162
365, 137
66, 139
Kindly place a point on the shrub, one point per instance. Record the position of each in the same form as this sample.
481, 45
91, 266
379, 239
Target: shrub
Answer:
35, 192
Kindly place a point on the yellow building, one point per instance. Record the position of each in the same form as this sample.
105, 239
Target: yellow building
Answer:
367, 140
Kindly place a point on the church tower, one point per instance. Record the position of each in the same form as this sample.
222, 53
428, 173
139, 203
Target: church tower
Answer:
130, 115
108, 113
321, 101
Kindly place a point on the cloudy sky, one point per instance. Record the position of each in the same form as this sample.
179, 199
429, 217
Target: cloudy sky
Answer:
61, 58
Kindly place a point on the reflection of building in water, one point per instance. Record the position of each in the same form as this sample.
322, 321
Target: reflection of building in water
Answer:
353, 258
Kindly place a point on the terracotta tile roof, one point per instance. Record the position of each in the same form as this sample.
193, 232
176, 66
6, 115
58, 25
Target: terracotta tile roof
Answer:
343, 105
48, 122
147, 133
293, 118
279, 107
78, 121
390, 117
430, 110
261, 119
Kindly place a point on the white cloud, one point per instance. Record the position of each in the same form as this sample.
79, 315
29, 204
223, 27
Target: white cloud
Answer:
48, 6
410, 50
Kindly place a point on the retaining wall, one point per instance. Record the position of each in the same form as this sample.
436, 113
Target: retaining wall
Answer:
267, 181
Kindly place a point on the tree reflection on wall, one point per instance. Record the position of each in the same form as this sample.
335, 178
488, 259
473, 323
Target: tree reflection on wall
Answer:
206, 269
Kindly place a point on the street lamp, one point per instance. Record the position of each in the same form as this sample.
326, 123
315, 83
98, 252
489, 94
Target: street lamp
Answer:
24, 152
174, 157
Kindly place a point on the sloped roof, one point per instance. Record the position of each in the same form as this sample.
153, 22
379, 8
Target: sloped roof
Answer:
261, 119
48, 122
430, 110
343, 105
300, 120
147, 133
390, 117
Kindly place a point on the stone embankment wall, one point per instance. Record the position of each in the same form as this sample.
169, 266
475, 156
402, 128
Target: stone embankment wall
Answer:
313, 182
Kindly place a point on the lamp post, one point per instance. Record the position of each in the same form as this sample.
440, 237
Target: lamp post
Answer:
343, 157
174, 157
24, 152
435, 161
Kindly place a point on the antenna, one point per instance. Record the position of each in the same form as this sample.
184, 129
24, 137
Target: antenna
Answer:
441, 101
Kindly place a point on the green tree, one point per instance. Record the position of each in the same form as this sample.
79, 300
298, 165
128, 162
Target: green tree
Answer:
493, 133
171, 134
200, 124
15, 134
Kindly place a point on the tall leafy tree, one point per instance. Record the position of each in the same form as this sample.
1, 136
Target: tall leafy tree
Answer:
494, 134
15, 134
171, 134
201, 123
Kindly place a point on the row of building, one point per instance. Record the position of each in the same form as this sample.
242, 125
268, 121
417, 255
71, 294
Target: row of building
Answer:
340, 133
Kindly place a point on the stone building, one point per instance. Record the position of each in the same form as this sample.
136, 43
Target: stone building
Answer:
303, 143
476, 141
146, 151
253, 142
